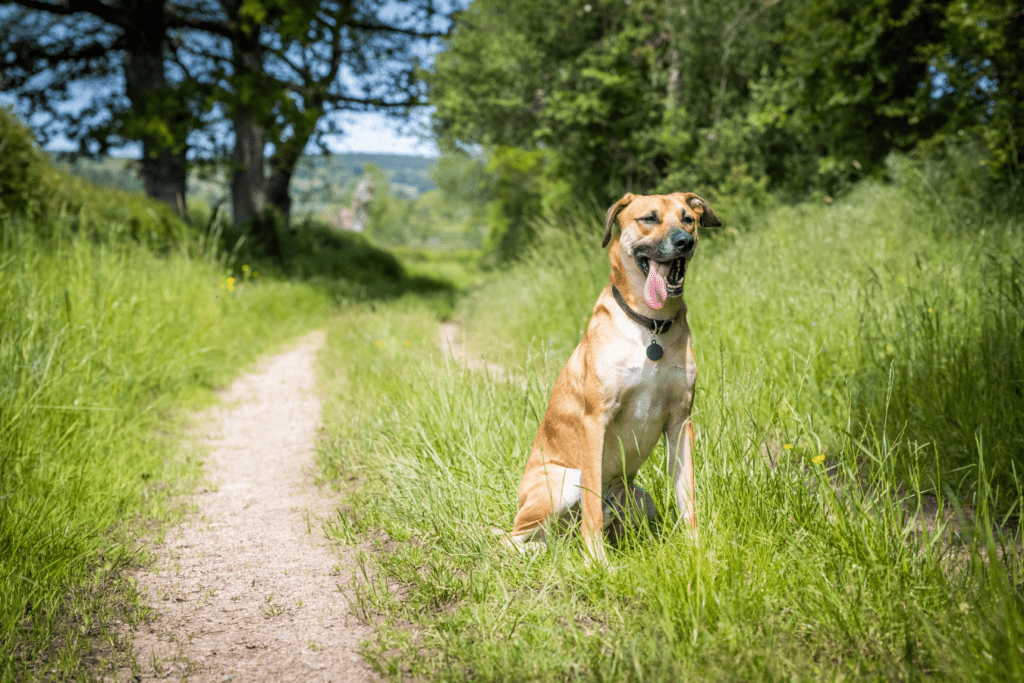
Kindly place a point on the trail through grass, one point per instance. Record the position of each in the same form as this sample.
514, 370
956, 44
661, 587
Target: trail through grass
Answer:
840, 538
100, 346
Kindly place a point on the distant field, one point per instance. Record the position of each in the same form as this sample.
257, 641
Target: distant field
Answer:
319, 187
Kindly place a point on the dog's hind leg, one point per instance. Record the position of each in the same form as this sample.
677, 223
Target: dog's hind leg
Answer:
544, 499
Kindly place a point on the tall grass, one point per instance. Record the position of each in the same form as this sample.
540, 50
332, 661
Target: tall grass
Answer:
836, 542
806, 571
100, 342
835, 301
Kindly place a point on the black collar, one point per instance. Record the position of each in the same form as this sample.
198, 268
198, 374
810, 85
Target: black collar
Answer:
655, 326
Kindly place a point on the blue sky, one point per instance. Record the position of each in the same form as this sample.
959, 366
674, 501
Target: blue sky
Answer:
368, 132
376, 133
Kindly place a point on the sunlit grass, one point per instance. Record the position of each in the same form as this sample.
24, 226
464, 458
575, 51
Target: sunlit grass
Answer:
838, 541
101, 344
461, 267
833, 300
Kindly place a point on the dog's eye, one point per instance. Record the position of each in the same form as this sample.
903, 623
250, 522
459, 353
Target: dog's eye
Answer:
688, 219
649, 218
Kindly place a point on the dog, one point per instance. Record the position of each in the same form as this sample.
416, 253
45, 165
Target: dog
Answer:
630, 380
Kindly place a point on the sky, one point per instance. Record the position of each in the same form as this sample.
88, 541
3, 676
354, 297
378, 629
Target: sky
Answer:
376, 133
369, 132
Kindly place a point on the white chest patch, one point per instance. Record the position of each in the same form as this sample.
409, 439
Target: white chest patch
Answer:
643, 398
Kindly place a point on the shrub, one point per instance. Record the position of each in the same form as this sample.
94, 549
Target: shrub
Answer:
29, 183
20, 166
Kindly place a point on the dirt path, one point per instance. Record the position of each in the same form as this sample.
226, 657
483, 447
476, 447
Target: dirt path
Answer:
248, 588
453, 343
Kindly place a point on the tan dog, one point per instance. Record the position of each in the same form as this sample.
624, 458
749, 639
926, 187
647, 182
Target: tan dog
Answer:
630, 380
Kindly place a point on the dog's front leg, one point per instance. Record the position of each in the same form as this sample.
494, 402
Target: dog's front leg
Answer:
679, 437
592, 527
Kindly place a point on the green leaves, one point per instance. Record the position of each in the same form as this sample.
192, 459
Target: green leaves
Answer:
739, 98
621, 94
19, 166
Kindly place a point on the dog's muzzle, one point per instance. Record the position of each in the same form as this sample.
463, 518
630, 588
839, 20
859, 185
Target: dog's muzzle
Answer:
682, 241
676, 273
675, 249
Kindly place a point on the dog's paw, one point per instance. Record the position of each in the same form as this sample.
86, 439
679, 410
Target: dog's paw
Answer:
522, 544
505, 538
596, 558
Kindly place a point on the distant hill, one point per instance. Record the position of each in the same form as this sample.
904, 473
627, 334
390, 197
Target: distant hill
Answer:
115, 172
320, 182
400, 169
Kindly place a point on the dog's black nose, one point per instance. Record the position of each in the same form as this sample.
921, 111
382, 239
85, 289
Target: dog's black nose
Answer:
682, 240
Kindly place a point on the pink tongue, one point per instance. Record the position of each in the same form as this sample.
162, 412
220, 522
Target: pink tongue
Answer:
656, 289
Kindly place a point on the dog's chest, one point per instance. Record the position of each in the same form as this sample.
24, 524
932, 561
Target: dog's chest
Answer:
642, 397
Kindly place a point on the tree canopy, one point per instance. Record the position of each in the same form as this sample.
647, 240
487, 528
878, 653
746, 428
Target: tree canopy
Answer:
191, 80
734, 97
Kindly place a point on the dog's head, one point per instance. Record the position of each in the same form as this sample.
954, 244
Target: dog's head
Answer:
656, 239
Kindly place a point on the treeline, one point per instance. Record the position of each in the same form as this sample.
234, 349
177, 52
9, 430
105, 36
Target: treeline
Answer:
539, 106
748, 101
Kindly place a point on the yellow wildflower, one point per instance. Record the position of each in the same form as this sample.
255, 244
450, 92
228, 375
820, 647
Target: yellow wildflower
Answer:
818, 459
788, 446
380, 343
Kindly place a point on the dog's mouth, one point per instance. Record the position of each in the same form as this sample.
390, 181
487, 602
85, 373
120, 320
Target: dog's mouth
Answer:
674, 277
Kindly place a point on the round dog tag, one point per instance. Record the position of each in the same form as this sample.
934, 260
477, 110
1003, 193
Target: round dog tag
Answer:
654, 351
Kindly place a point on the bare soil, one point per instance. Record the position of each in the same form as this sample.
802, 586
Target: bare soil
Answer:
249, 588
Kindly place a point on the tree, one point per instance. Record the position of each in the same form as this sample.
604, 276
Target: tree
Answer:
857, 74
271, 68
736, 98
287, 64
323, 58
49, 48
622, 91
617, 96
977, 76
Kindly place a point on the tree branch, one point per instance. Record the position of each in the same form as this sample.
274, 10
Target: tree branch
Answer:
376, 102
217, 28
302, 72
70, 7
384, 28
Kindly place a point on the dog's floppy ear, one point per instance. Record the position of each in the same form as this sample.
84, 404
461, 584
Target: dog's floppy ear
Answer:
708, 219
613, 212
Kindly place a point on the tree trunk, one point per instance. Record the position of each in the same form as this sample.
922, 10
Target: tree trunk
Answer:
248, 175
163, 160
282, 167
248, 191
164, 176
672, 96
278, 192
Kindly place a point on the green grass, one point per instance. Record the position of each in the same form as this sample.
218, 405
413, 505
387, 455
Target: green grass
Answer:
833, 301
461, 267
896, 558
102, 343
